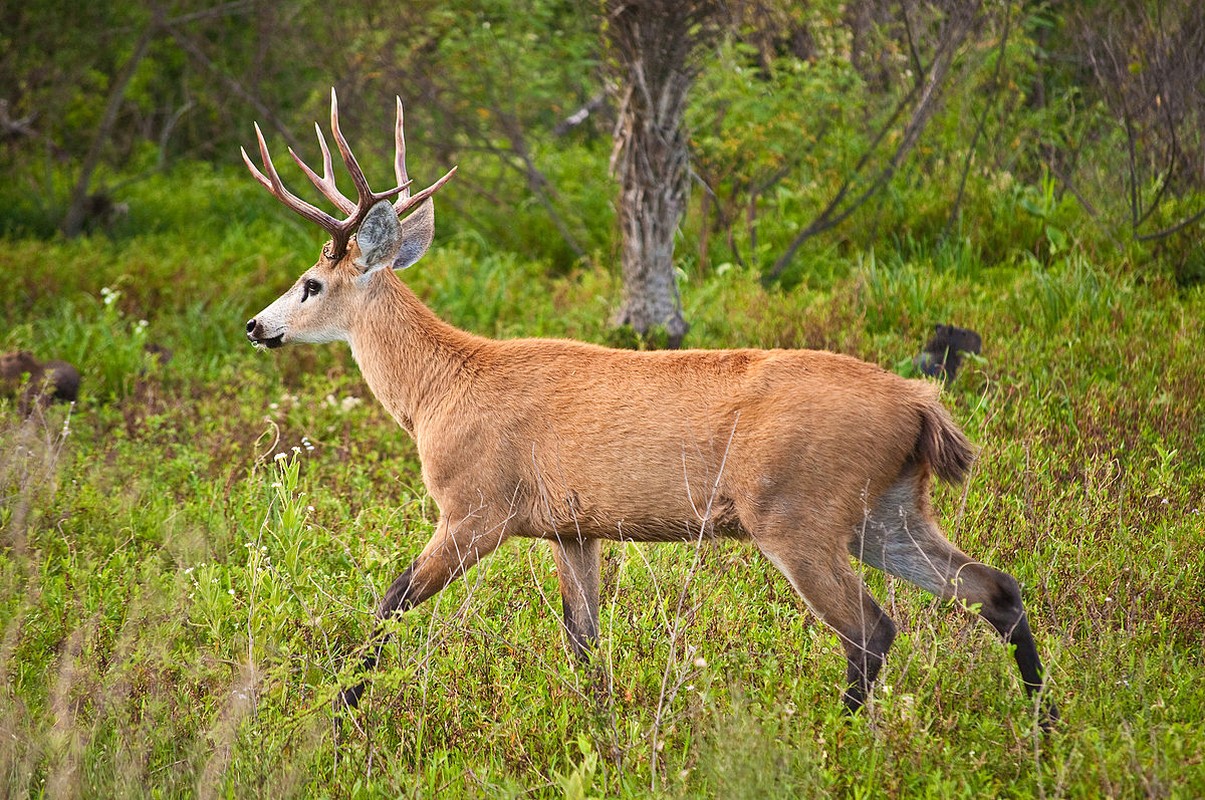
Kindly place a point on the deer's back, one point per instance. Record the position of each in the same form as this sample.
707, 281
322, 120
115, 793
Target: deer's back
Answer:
616, 443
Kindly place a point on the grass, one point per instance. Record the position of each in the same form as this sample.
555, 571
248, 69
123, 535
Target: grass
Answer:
191, 553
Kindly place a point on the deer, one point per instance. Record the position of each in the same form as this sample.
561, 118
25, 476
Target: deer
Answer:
813, 457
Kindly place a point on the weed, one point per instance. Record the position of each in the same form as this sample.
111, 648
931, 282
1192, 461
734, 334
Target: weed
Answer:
177, 603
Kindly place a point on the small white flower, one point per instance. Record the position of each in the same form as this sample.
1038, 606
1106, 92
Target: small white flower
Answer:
230, 592
350, 402
281, 456
700, 662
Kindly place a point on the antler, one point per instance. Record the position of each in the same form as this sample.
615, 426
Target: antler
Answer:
341, 230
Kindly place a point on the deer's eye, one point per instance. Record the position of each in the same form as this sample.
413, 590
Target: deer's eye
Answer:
310, 288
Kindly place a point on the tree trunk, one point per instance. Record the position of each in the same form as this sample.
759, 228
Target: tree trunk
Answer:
652, 42
73, 220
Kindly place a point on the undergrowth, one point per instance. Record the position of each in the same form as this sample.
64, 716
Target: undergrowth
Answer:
192, 551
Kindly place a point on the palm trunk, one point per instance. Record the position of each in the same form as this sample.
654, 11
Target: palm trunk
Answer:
653, 42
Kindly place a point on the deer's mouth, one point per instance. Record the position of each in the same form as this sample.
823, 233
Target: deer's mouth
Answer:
271, 343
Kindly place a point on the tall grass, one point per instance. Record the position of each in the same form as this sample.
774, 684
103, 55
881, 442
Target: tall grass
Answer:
191, 553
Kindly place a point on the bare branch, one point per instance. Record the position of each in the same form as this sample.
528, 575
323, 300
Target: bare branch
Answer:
993, 92
952, 35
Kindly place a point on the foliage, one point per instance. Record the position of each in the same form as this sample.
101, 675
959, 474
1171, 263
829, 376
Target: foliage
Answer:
189, 555
192, 551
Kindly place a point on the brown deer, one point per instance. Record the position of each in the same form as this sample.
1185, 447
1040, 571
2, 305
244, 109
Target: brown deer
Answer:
811, 455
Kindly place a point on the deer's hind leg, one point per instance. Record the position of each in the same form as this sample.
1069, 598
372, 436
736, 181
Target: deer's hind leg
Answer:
819, 570
901, 537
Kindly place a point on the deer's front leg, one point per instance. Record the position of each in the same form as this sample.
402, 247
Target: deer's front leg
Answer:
454, 548
577, 570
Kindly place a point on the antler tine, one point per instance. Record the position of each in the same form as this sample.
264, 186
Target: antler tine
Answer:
259, 176
402, 206
399, 155
325, 184
406, 202
349, 158
367, 197
273, 183
341, 230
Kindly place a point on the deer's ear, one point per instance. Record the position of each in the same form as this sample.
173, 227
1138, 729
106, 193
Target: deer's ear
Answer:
379, 238
418, 230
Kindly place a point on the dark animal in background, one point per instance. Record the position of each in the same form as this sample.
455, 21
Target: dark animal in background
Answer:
942, 356
47, 380
158, 353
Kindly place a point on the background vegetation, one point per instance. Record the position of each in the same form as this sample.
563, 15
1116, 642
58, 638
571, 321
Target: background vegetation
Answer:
190, 553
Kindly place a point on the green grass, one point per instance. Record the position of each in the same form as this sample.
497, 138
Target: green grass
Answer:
177, 603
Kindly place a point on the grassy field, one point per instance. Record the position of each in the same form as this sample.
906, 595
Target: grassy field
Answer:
191, 553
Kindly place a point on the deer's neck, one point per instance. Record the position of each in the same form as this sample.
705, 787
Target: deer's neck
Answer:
412, 360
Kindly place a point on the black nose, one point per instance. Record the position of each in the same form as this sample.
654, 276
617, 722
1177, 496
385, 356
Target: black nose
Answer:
250, 325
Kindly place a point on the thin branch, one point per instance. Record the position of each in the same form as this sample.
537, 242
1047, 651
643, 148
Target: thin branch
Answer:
1163, 101
952, 36
73, 221
1179, 226
193, 49
917, 64
1131, 147
994, 89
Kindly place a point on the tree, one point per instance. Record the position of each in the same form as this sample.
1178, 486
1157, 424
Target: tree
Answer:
653, 44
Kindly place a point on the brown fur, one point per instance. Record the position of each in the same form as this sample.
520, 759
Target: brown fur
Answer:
811, 455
